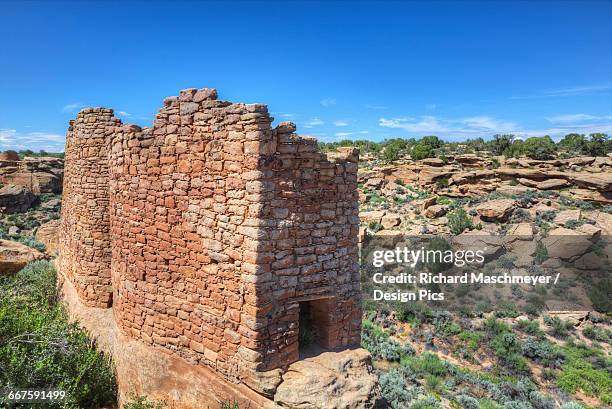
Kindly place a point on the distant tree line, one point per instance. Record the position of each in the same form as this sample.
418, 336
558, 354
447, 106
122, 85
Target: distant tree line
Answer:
543, 147
40, 153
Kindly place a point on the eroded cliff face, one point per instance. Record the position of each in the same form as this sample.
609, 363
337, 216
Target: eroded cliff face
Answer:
212, 236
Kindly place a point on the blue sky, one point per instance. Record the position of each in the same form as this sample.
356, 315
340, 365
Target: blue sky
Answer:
370, 70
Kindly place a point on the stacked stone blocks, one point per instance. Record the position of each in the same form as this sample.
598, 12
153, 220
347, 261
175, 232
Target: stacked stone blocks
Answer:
212, 228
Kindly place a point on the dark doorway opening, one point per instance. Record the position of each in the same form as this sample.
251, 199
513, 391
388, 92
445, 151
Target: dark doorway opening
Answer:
314, 325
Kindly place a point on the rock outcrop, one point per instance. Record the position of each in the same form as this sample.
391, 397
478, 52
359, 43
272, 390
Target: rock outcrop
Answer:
48, 234
496, 210
16, 199
40, 175
15, 256
331, 380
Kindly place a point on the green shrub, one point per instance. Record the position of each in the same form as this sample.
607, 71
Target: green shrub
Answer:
543, 352
599, 144
41, 348
415, 313
541, 253
468, 402
500, 144
427, 364
141, 402
539, 147
600, 295
597, 334
422, 151
531, 327
572, 405
377, 341
458, 221
558, 327
398, 387
578, 373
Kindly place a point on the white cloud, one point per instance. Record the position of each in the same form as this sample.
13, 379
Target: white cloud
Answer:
580, 90
345, 134
378, 107
70, 108
485, 126
124, 114
570, 91
12, 139
287, 115
327, 102
314, 122
570, 118
427, 124
477, 125
341, 122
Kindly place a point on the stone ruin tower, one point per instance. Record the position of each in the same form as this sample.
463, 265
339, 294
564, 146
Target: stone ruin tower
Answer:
212, 234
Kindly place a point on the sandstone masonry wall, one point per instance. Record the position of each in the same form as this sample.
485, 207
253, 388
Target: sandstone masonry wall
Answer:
219, 227
85, 223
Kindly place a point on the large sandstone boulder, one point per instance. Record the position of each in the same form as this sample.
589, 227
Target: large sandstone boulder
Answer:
430, 174
566, 244
565, 216
545, 184
604, 198
40, 175
9, 156
15, 256
433, 162
604, 221
390, 220
600, 181
373, 216
435, 211
16, 199
48, 234
496, 210
332, 380
471, 160
38, 182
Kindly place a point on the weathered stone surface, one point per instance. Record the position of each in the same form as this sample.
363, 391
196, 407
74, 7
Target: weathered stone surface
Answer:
512, 190
429, 175
436, 211
375, 183
496, 210
333, 380
523, 230
604, 221
601, 182
16, 199
565, 244
48, 234
433, 162
374, 216
40, 175
565, 216
545, 184
390, 220
9, 156
15, 256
